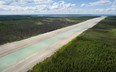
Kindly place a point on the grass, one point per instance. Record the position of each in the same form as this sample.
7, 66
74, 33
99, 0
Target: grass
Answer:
92, 51
14, 28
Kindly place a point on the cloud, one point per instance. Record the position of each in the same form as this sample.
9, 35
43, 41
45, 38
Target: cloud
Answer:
96, 3
33, 5
114, 4
61, 5
56, 6
112, 8
2, 2
43, 1
30, 1
100, 10
19, 2
24, 9
108, 10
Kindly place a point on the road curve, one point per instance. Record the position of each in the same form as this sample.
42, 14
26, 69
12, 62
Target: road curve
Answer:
22, 55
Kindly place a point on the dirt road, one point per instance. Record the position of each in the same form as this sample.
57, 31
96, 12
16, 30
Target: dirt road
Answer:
23, 55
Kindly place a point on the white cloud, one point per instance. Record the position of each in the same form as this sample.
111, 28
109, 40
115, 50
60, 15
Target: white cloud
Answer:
56, 6
114, 4
108, 10
96, 3
35, 5
100, 10
31, 1
43, 1
112, 8
24, 9
61, 5
19, 2
24, 2
2, 2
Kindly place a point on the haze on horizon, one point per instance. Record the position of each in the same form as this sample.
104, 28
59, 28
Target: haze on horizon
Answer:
9, 7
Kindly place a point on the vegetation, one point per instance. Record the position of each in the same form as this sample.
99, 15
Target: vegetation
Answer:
92, 51
13, 28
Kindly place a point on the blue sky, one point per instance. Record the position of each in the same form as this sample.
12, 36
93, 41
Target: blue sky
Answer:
57, 7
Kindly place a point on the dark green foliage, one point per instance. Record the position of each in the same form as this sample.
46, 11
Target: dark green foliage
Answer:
92, 51
13, 28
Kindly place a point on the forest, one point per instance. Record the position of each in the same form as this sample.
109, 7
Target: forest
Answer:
16, 27
92, 51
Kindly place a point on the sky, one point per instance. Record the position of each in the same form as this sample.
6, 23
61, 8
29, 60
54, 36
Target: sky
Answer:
8, 7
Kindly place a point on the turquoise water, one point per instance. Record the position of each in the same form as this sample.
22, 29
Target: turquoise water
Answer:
13, 58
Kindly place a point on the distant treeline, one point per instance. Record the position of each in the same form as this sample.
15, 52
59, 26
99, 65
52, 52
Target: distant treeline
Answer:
13, 28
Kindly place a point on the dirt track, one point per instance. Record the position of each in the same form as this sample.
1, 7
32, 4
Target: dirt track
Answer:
28, 62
